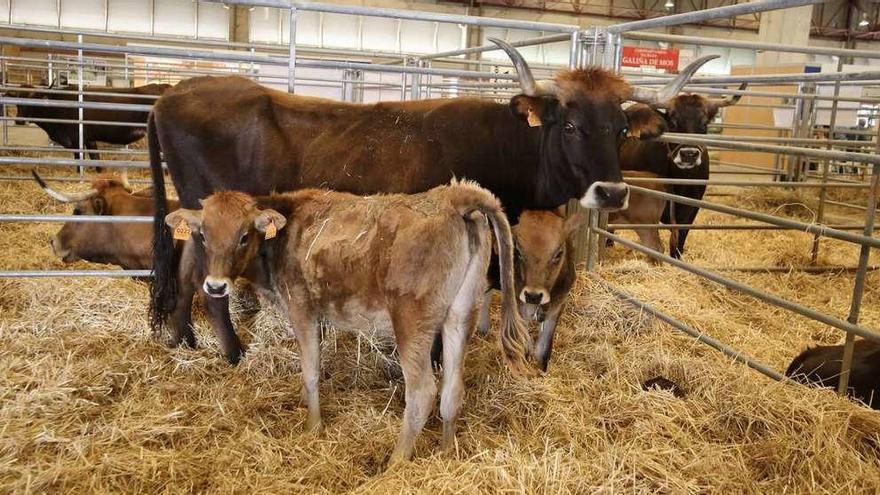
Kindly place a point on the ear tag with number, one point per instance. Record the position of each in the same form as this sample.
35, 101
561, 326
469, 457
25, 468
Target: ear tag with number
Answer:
533, 119
271, 230
182, 232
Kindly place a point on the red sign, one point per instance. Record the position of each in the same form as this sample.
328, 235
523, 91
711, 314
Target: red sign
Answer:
634, 56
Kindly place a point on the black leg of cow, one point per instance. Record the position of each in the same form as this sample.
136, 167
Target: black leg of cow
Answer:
218, 314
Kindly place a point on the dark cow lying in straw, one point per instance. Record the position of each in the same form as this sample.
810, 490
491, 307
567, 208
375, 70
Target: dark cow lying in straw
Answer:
67, 134
687, 113
399, 265
556, 141
821, 366
545, 273
129, 245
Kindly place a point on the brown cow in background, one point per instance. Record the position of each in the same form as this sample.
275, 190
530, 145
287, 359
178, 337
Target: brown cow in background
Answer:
392, 265
129, 245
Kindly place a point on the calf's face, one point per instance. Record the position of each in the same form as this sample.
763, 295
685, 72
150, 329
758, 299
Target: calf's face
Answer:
228, 228
540, 239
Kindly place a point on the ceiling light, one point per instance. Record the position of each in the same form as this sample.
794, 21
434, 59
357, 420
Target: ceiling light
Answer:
669, 4
864, 22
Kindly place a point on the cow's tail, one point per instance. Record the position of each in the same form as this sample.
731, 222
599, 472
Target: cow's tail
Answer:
516, 343
163, 288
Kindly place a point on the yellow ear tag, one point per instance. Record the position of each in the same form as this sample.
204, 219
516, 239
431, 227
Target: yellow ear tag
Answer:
271, 230
533, 119
182, 232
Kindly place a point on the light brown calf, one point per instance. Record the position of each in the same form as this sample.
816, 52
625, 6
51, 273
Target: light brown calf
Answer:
409, 266
644, 209
545, 273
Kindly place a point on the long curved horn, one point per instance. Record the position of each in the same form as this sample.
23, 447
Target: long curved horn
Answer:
59, 196
123, 178
527, 82
730, 100
659, 97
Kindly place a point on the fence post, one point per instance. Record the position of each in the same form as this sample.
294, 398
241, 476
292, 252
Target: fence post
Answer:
291, 62
79, 59
861, 274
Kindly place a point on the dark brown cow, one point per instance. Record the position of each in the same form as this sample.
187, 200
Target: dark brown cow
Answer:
821, 366
545, 273
403, 266
556, 141
687, 113
129, 245
67, 135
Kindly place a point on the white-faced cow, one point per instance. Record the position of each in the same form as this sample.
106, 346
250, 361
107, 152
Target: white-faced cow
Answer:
407, 266
821, 366
230, 133
129, 245
686, 113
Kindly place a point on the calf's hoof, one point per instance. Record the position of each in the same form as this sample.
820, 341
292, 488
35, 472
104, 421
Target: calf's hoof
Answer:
314, 426
234, 356
447, 444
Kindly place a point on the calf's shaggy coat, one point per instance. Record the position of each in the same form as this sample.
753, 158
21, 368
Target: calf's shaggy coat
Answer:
406, 265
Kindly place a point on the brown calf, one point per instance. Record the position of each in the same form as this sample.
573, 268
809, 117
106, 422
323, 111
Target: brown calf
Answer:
408, 266
644, 209
545, 273
129, 245
821, 366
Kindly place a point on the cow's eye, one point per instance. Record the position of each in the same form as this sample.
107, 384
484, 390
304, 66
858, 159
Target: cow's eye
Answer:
558, 256
243, 240
569, 128
624, 132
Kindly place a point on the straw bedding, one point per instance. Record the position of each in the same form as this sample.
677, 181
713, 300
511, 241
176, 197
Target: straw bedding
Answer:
91, 402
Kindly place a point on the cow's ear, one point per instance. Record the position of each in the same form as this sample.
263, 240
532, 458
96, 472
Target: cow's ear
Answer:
268, 222
574, 221
644, 122
534, 110
191, 218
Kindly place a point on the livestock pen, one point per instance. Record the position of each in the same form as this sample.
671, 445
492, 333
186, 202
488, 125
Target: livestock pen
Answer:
778, 261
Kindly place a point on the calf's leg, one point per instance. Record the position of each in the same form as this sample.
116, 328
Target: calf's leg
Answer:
218, 315
414, 338
308, 335
483, 323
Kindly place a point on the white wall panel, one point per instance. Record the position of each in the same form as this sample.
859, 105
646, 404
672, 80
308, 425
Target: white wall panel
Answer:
129, 16
380, 34
308, 28
341, 31
4, 11
213, 21
175, 17
39, 12
417, 36
264, 25
86, 14
450, 37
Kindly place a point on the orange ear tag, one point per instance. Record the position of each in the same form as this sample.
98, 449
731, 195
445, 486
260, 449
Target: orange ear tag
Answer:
182, 232
271, 230
533, 119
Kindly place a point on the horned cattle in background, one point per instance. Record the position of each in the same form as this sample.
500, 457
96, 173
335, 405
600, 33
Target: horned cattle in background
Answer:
689, 114
556, 141
400, 266
67, 134
129, 245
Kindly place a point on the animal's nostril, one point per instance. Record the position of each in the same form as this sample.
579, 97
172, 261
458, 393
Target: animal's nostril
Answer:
601, 192
533, 297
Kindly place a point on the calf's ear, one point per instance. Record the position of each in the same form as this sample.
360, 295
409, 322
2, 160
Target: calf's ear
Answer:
268, 217
534, 110
192, 218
